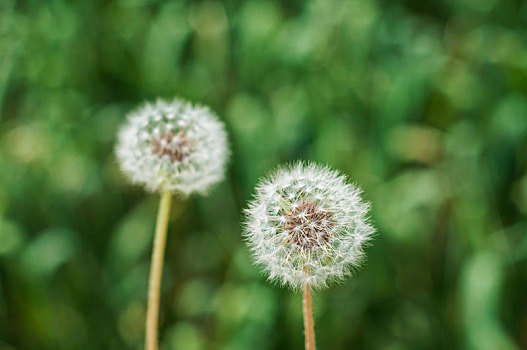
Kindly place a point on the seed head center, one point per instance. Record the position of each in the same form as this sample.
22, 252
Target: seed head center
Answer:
308, 225
176, 146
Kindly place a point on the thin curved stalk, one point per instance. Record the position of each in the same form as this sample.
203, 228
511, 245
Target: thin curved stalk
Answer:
309, 325
156, 271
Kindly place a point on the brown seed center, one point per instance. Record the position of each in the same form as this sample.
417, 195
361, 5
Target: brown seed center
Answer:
308, 225
176, 146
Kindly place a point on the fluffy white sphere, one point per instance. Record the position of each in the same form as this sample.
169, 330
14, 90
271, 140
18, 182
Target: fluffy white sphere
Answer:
307, 224
173, 146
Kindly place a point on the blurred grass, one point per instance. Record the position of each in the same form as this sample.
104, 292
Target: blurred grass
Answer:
422, 103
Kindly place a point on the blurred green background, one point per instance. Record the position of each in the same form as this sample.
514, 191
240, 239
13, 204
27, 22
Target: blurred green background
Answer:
423, 103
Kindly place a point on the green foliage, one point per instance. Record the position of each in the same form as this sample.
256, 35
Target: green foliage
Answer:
422, 103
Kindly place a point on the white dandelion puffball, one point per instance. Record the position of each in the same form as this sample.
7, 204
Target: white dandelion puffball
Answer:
307, 225
173, 146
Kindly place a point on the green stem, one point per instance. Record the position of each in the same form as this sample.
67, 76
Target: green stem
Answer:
156, 271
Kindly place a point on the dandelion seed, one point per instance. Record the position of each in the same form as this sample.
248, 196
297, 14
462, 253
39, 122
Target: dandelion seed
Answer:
173, 146
307, 224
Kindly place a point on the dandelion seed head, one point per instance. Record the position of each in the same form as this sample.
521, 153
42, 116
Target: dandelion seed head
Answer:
173, 146
307, 224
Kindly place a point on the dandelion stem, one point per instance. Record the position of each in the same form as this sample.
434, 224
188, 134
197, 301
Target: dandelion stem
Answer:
156, 271
309, 326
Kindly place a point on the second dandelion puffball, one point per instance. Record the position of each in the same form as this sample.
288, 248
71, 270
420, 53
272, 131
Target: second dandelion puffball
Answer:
173, 146
307, 225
